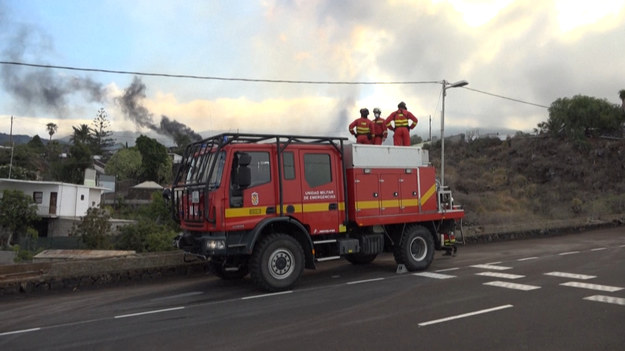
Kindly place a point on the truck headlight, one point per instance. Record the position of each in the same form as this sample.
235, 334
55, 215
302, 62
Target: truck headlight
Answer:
215, 244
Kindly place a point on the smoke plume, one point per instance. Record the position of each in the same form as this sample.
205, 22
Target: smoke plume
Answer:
133, 109
41, 88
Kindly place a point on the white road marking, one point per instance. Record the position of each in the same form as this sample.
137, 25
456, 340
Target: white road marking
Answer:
149, 312
622, 246
423, 324
266, 295
592, 286
599, 249
365, 281
527, 259
606, 299
571, 275
20, 331
514, 286
500, 275
448, 269
493, 263
491, 267
434, 275
568, 253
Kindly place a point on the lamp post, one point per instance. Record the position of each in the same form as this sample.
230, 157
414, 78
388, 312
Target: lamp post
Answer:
446, 85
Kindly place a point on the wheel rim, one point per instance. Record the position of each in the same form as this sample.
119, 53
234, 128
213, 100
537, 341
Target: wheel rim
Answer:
418, 249
281, 263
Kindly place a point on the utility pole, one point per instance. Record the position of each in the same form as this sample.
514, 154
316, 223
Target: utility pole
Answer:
12, 147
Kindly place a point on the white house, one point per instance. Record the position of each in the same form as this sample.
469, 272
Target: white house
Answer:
59, 204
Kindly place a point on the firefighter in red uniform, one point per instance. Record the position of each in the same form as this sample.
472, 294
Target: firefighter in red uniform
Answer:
401, 118
379, 127
363, 128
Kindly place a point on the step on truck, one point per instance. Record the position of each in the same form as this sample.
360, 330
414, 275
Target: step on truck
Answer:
272, 205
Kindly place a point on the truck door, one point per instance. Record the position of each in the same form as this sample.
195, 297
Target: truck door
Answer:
320, 177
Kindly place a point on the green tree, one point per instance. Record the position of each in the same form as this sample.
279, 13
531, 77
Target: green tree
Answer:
72, 169
94, 229
82, 135
155, 164
125, 164
18, 212
621, 95
581, 116
52, 128
101, 134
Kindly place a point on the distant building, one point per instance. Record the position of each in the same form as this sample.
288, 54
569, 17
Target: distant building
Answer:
59, 204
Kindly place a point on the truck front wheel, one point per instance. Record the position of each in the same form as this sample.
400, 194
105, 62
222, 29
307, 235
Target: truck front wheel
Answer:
416, 249
277, 262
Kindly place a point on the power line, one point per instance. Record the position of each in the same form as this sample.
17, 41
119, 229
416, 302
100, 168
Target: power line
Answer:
187, 76
253, 80
505, 97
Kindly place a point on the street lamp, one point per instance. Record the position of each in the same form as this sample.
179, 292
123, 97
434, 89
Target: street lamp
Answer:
446, 85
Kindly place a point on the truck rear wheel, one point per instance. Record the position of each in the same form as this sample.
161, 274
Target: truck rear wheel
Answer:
277, 262
416, 249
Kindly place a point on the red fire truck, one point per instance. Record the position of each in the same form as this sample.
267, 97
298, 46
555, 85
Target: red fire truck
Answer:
272, 205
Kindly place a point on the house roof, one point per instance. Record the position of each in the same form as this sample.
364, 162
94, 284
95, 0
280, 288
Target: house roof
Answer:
147, 185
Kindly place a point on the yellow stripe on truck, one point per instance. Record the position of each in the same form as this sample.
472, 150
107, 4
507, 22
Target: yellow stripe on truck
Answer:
299, 208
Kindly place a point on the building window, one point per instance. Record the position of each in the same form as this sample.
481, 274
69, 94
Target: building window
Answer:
38, 197
82, 197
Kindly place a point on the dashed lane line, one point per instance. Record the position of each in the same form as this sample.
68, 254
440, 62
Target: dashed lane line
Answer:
606, 299
491, 267
568, 253
465, 315
592, 286
434, 275
364, 281
599, 249
266, 295
514, 286
527, 258
448, 269
500, 275
571, 275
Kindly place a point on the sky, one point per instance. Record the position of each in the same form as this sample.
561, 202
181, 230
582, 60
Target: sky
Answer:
302, 67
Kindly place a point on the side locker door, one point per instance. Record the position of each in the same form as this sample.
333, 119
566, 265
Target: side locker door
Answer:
322, 200
389, 189
409, 192
367, 194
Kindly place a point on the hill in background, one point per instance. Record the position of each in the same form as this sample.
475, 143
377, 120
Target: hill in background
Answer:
530, 179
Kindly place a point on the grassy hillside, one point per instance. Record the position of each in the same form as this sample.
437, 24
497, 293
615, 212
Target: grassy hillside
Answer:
534, 179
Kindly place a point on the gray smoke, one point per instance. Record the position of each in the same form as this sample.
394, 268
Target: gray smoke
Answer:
41, 88
130, 103
132, 108
177, 130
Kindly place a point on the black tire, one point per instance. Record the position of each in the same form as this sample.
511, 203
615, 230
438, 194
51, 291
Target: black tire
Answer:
277, 262
228, 273
416, 249
359, 258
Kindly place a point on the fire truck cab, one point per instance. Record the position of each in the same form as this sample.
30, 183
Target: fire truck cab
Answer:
272, 205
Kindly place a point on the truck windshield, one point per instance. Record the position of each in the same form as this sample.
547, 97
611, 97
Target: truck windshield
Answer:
199, 169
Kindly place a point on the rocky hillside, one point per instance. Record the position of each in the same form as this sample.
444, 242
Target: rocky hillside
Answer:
535, 178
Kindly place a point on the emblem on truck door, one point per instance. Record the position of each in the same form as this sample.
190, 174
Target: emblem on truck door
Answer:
254, 198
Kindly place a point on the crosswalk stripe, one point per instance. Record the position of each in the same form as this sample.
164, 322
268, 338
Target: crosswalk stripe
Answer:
606, 299
491, 267
500, 275
592, 286
508, 285
434, 275
571, 275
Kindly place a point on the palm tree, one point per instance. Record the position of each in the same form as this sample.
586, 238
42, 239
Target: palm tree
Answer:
51, 129
82, 135
621, 94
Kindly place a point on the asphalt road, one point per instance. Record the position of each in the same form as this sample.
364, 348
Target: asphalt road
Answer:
559, 293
